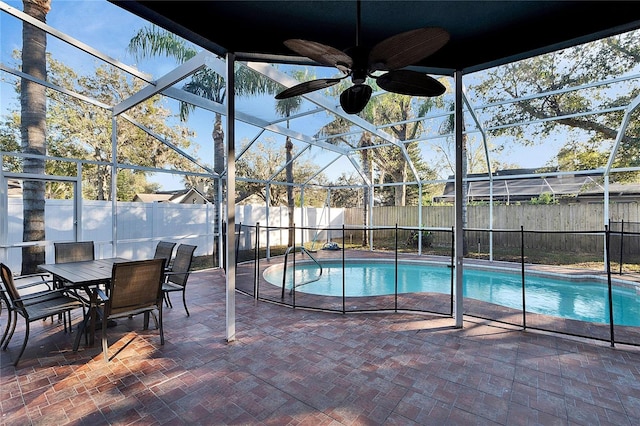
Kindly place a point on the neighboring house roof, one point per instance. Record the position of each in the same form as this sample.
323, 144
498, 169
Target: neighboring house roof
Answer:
251, 199
180, 196
192, 196
14, 189
149, 198
615, 190
524, 186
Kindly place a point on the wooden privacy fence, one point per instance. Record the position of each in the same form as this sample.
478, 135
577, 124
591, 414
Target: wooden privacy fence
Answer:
580, 217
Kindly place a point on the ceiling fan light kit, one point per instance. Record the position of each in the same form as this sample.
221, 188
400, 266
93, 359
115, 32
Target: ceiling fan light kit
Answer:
358, 62
355, 98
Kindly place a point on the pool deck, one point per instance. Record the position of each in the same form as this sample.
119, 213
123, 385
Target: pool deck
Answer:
301, 367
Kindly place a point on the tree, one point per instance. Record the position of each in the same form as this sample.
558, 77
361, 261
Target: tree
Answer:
589, 136
286, 107
391, 161
79, 130
33, 103
10, 141
448, 127
345, 197
476, 156
260, 164
153, 41
90, 132
339, 127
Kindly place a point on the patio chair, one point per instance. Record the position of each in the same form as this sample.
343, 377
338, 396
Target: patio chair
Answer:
28, 292
176, 277
74, 251
32, 308
135, 288
164, 250
35, 280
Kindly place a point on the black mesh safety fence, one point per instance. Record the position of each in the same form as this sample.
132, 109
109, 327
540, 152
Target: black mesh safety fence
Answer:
405, 269
625, 246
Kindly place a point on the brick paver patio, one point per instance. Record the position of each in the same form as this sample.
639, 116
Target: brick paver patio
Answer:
300, 367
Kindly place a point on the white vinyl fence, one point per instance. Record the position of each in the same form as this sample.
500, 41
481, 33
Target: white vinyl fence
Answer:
277, 232
140, 226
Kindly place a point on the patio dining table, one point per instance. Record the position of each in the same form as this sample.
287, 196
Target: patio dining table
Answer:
82, 276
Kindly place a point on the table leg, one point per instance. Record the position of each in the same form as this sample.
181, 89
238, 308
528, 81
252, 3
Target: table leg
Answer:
94, 313
82, 328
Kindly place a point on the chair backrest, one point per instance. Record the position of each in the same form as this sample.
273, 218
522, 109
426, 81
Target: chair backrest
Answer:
181, 264
74, 251
135, 285
164, 250
8, 292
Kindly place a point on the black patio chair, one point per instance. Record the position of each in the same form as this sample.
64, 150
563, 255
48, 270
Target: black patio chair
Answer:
74, 251
135, 288
32, 308
176, 277
164, 250
32, 280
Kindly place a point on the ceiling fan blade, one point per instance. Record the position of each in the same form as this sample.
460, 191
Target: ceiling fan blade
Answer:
323, 54
407, 48
307, 86
355, 98
411, 83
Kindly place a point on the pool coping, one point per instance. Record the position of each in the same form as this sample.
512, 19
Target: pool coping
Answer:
569, 274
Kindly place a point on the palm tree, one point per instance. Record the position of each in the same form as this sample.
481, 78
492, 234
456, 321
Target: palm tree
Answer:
390, 108
448, 126
340, 126
392, 161
153, 41
33, 131
286, 107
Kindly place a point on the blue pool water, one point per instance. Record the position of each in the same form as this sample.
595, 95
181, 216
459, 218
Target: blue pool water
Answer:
581, 300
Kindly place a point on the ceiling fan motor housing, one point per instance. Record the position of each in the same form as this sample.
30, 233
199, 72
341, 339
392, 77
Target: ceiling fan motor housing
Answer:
360, 66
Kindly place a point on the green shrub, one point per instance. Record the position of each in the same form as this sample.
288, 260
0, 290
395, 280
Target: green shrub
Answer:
427, 239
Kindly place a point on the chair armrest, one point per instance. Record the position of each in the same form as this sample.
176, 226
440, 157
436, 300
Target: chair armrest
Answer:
100, 294
43, 281
167, 273
28, 299
35, 284
37, 274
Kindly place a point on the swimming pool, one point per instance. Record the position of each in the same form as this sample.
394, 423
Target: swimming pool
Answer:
584, 300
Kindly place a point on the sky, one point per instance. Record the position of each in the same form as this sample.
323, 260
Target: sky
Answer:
104, 27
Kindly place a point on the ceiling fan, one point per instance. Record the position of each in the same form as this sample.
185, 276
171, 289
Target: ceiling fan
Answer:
360, 62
